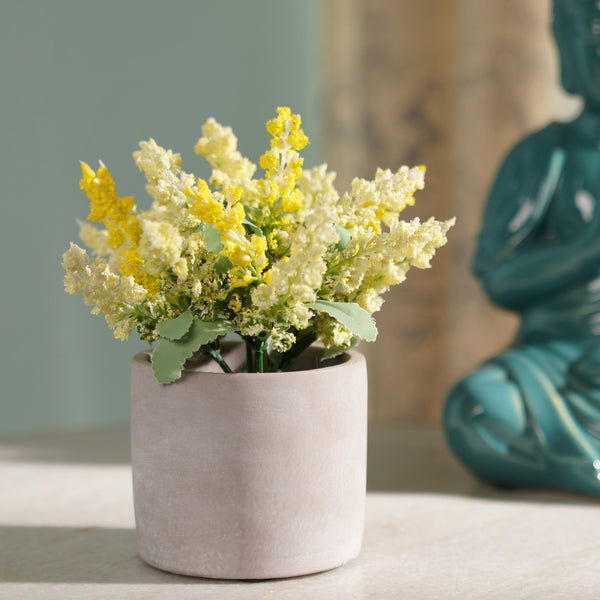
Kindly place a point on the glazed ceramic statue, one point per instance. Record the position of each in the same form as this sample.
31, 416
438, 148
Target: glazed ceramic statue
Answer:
531, 416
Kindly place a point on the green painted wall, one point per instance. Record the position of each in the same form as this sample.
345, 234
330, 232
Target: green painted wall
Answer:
88, 80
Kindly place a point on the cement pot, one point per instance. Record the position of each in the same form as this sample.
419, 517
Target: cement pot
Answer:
250, 476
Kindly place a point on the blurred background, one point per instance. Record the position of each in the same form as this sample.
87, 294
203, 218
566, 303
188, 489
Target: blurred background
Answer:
452, 85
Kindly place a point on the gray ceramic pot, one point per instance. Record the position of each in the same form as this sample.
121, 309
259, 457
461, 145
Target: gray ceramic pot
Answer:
250, 476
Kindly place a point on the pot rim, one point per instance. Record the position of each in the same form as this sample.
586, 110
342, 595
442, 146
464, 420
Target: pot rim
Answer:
350, 357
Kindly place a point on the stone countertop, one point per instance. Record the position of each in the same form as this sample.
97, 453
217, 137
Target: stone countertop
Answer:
67, 530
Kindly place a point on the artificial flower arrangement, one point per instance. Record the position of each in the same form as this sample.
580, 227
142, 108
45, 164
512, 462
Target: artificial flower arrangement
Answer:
282, 260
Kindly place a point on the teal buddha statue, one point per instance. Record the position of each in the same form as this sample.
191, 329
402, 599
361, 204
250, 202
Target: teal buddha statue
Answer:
531, 415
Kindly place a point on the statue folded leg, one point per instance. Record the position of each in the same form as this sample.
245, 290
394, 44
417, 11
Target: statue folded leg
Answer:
531, 416
522, 420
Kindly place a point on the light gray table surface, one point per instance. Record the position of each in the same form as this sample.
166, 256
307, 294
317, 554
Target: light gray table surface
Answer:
67, 530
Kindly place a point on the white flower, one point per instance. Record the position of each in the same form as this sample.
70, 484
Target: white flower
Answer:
167, 183
102, 289
297, 278
282, 340
316, 183
219, 146
371, 203
94, 238
75, 260
131, 293
161, 244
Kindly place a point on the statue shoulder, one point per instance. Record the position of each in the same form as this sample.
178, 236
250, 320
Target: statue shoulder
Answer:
520, 195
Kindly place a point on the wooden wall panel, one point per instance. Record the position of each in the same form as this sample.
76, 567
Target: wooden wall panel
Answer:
451, 85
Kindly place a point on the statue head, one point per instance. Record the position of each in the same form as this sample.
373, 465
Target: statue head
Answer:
576, 28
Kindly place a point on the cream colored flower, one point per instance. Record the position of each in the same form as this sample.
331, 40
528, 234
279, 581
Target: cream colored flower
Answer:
296, 279
333, 333
95, 239
102, 289
218, 145
377, 202
316, 183
282, 339
161, 245
167, 183
387, 261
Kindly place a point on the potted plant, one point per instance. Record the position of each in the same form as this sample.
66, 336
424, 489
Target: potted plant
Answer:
249, 457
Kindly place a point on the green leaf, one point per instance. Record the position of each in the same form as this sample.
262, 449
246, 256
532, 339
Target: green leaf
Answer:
176, 328
206, 331
252, 226
223, 265
167, 361
350, 315
213, 238
169, 356
345, 237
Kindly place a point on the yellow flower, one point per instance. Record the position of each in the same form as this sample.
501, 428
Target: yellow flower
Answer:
132, 264
276, 126
269, 160
106, 206
293, 202
100, 189
115, 237
286, 126
282, 164
240, 278
204, 205
121, 222
298, 139
268, 191
235, 304
227, 218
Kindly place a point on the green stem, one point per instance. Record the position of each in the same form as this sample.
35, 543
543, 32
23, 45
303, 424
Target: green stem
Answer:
215, 354
260, 353
249, 361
